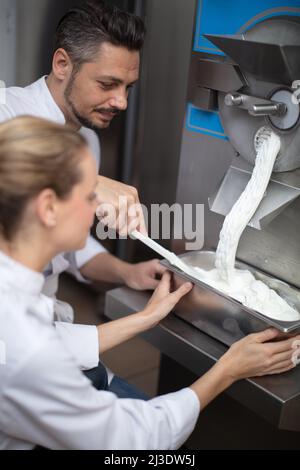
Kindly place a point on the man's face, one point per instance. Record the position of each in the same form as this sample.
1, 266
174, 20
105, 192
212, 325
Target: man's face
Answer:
99, 91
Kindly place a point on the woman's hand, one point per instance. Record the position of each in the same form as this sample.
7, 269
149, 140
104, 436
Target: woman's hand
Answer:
163, 301
250, 357
255, 356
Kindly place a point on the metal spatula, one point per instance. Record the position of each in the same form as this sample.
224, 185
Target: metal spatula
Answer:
168, 255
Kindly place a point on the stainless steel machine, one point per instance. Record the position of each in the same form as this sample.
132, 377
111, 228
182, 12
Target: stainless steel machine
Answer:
249, 85
244, 63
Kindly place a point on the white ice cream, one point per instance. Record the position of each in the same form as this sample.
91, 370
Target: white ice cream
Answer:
250, 292
245, 207
241, 285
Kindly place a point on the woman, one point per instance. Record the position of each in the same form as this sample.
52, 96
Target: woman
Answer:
47, 205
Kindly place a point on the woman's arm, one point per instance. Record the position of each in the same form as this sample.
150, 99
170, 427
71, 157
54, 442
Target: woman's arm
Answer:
252, 356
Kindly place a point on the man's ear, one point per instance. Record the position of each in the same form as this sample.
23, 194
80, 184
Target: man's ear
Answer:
61, 65
46, 208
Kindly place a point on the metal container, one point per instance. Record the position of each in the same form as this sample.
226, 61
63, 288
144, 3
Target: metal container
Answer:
222, 317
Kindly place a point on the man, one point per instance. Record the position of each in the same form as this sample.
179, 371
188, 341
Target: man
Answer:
96, 61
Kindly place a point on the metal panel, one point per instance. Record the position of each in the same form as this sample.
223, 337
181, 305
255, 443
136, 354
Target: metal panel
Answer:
164, 81
8, 41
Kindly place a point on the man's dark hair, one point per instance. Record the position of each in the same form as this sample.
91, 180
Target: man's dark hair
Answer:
82, 30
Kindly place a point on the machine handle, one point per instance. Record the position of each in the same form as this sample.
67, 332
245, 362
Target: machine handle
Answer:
278, 109
255, 106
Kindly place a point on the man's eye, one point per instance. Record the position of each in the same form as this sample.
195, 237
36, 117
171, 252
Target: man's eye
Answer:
106, 86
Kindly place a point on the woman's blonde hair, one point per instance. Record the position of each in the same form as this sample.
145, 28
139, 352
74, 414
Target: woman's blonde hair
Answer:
35, 154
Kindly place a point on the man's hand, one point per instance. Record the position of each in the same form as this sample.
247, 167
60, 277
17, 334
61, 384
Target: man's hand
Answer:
119, 207
144, 276
106, 267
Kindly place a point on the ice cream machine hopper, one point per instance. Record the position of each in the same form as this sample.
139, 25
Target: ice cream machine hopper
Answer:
267, 94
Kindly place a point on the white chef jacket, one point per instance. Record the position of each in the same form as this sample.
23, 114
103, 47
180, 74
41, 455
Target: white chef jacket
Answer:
36, 100
44, 398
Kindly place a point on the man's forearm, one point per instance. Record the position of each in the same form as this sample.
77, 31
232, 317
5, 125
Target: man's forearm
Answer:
105, 268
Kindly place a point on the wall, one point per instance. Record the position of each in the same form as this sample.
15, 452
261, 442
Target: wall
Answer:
7, 41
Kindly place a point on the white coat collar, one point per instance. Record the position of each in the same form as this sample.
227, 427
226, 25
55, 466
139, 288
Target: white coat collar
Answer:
19, 276
43, 95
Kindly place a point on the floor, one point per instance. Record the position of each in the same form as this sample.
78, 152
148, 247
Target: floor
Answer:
136, 360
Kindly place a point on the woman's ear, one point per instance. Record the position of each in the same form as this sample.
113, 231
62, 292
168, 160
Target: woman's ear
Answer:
47, 207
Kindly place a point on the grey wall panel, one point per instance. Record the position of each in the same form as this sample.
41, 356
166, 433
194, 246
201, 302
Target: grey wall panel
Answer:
8, 41
164, 82
36, 20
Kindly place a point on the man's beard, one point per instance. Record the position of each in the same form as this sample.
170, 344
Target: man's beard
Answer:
84, 121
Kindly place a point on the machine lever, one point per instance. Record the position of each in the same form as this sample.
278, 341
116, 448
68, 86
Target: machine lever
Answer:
256, 106
278, 109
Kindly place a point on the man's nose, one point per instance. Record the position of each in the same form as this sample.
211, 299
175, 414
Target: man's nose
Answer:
119, 101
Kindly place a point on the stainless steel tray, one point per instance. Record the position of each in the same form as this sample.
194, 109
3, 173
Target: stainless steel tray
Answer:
220, 316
